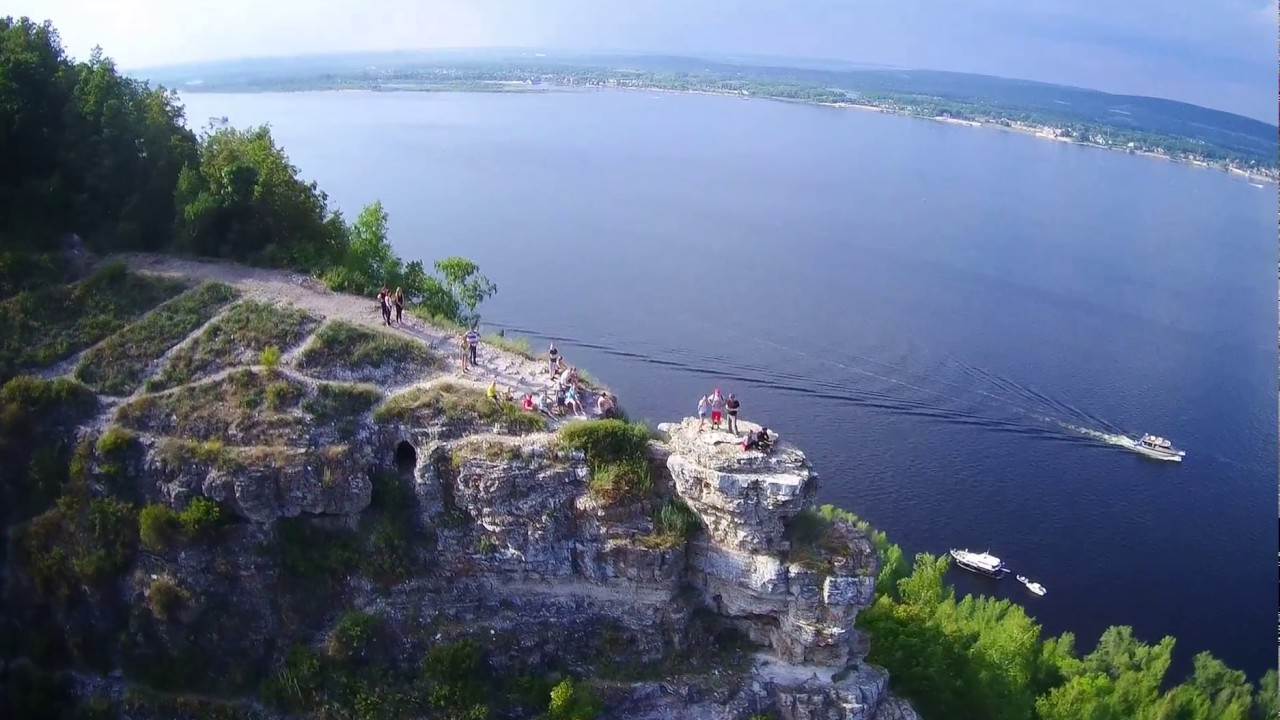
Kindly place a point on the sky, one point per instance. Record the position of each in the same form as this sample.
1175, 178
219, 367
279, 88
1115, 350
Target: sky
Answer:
1217, 53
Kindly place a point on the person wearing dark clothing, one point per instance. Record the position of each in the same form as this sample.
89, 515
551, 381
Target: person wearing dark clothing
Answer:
384, 300
758, 440
399, 300
473, 341
731, 406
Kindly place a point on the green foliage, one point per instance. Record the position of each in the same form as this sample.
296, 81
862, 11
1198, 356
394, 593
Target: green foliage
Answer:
813, 544
570, 701
340, 349
368, 263
352, 635
336, 401
35, 417
84, 541
309, 552
269, 357
165, 597
160, 527
607, 441
984, 658
256, 405
673, 524
44, 326
456, 403
117, 365
245, 331
614, 482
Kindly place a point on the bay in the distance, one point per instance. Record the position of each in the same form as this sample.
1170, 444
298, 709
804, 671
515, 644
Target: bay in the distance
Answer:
945, 319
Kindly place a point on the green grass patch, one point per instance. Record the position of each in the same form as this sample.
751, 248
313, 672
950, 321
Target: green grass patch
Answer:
513, 344
214, 452
341, 350
255, 404
615, 482
239, 337
814, 546
160, 527
607, 441
673, 524
334, 402
456, 403
40, 328
118, 364
485, 449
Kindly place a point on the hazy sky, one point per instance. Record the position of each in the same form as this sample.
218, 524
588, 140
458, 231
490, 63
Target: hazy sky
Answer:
1220, 53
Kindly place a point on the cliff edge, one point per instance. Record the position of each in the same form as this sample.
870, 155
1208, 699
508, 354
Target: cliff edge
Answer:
323, 515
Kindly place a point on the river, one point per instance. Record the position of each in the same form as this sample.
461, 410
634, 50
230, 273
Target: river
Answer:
945, 319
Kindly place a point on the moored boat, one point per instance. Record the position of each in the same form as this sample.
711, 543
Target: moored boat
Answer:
981, 563
1159, 448
1034, 587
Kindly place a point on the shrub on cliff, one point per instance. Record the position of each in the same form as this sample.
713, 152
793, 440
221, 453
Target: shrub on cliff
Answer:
570, 701
84, 541
35, 419
160, 527
607, 441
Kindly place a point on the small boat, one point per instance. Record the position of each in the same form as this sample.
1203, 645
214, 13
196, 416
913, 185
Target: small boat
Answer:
1034, 587
982, 563
1158, 448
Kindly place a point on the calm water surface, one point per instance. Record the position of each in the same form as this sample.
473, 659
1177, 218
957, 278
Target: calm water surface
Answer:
939, 316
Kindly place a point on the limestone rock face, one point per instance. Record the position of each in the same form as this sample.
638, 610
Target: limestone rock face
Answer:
803, 611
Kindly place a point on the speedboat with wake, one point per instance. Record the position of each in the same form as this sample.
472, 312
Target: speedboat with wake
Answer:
1034, 587
982, 563
1158, 448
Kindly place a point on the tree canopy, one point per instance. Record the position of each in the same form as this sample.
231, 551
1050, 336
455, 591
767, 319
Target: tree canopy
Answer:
87, 151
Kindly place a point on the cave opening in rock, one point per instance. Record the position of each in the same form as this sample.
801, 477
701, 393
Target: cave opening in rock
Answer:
406, 459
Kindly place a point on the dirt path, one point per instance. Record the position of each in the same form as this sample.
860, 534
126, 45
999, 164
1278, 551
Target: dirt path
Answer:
511, 371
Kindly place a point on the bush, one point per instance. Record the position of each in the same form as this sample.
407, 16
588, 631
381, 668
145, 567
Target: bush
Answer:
200, 519
570, 701
673, 524
614, 482
351, 637
607, 441
165, 597
270, 357
158, 527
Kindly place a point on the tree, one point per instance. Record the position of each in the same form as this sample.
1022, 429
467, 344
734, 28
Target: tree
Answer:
463, 280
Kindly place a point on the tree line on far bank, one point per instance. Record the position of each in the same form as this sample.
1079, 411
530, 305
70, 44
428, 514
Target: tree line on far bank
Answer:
85, 150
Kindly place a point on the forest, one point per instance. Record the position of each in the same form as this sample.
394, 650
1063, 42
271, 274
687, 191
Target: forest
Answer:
90, 152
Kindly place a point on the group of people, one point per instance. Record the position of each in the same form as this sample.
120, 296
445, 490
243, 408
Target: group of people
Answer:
388, 301
725, 410
565, 393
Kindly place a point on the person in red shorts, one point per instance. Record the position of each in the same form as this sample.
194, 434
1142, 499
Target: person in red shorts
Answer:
717, 409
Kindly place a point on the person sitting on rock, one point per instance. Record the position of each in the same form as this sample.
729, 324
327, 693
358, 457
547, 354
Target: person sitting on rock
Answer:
571, 399
605, 407
492, 392
758, 440
540, 402
527, 403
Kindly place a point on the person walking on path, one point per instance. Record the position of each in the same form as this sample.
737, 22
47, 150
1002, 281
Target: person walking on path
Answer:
702, 411
731, 405
473, 342
466, 351
553, 358
399, 300
384, 300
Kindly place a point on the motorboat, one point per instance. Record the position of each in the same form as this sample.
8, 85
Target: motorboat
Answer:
1159, 448
1034, 587
982, 563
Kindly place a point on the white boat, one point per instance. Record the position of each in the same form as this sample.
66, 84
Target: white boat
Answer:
982, 563
1034, 587
1158, 448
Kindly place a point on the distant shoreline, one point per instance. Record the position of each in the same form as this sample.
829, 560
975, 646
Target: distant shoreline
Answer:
1040, 132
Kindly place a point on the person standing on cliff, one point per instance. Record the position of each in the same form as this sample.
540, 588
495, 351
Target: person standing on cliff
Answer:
399, 300
731, 405
717, 409
466, 351
702, 411
473, 342
553, 357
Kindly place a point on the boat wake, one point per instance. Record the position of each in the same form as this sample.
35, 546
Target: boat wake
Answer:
1042, 416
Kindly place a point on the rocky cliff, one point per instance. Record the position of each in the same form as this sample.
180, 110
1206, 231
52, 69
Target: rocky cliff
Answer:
331, 518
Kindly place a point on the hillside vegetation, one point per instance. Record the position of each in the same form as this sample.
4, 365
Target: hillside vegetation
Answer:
172, 604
